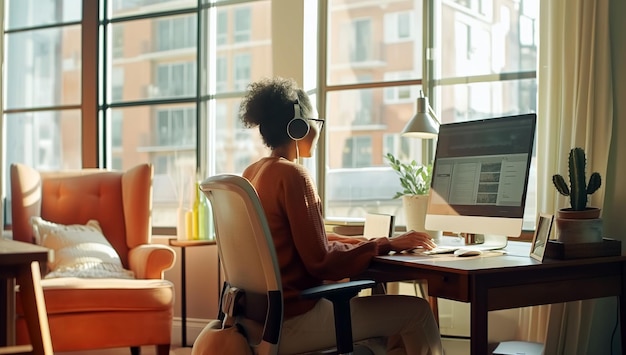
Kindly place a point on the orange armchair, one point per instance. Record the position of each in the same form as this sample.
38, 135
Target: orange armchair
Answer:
99, 313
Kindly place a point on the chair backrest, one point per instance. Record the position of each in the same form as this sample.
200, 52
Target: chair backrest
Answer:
248, 256
120, 201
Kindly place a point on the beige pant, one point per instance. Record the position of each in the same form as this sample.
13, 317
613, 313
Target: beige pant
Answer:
406, 321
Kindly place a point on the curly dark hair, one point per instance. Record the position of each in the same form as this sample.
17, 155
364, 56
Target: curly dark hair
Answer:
268, 103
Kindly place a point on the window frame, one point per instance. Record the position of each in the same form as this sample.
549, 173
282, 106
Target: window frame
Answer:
96, 102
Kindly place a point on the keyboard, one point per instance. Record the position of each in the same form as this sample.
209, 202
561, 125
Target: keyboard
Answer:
441, 250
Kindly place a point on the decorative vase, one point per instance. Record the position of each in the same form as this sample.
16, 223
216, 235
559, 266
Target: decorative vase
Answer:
415, 207
579, 226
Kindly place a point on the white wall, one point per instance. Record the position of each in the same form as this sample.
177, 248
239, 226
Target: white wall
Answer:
203, 287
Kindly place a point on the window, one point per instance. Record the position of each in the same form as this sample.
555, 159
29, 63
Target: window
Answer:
484, 66
222, 28
157, 103
399, 94
362, 46
221, 74
398, 27
118, 42
243, 25
117, 84
358, 152
176, 127
176, 79
242, 71
176, 33
42, 107
116, 130
148, 103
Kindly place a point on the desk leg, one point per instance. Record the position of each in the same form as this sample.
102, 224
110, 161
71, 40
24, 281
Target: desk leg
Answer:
478, 322
183, 304
6, 311
622, 309
434, 306
31, 294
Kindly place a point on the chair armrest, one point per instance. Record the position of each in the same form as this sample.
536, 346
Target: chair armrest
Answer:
340, 294
338, 290
150, 261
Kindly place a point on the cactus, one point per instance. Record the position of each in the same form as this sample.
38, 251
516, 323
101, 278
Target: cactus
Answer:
578, 188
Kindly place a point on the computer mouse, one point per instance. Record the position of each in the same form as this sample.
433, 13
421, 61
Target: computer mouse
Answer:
467, 252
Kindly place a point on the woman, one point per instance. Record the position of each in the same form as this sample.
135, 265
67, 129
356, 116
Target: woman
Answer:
307, 255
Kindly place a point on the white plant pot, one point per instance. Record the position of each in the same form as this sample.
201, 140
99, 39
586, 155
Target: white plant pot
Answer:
415, 207
579, 230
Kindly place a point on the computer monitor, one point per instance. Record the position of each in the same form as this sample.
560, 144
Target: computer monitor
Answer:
480, 178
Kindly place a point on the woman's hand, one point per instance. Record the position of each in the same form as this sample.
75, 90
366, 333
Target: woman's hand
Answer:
411, 240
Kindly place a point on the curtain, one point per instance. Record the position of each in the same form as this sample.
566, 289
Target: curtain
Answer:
2, 139
575, 109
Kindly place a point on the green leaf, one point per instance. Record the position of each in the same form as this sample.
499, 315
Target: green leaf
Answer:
414, 178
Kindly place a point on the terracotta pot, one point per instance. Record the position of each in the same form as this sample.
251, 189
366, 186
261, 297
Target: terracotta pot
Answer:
579, 230
579, 226
587, 213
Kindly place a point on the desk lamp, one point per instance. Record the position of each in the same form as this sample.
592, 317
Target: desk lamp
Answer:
425, 123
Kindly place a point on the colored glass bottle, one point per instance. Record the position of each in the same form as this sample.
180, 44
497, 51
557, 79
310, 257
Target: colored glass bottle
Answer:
203, 215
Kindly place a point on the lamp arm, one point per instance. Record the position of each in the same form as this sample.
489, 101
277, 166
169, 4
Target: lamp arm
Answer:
432, 113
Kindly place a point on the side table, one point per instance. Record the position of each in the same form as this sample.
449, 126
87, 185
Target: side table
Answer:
183, 244
22, 262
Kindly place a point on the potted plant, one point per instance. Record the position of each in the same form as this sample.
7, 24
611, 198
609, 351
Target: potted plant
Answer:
414, 178
579, 222
415, 181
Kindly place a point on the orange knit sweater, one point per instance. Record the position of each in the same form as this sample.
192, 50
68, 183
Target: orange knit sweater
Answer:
306, 255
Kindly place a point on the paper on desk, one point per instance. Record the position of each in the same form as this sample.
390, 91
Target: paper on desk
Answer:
378, 225
518, 348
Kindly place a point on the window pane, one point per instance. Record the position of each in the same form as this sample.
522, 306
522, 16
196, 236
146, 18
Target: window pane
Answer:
222, 27
158, 58
498, 41
236, 146
30, 13
490, 38
44, 140
367, 40
466, 102
361, 127
165, 136
134, 7
44, 68
244, 45
242, 24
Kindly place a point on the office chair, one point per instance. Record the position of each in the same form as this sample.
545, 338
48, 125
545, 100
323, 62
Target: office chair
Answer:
253, 290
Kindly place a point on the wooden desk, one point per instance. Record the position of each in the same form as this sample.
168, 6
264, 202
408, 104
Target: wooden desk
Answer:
508, 281
21, 261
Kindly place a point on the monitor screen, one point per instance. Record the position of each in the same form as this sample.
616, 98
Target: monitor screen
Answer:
480, 176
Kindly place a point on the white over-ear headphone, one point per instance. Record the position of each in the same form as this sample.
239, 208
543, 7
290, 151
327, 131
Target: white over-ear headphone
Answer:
298, 127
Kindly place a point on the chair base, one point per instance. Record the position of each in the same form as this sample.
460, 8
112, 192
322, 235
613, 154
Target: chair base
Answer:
161, 349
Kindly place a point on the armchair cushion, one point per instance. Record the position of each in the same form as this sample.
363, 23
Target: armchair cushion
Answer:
73, 295
79, 250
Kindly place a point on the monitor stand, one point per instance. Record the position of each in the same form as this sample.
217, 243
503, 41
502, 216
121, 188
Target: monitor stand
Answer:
480, 241
488, 241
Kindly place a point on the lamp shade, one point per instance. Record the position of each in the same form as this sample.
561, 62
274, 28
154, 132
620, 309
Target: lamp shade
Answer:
424, 123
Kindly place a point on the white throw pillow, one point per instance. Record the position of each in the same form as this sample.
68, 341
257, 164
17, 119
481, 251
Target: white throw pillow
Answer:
79, 250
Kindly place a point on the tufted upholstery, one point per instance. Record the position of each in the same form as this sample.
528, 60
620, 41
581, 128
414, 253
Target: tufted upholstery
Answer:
99, 313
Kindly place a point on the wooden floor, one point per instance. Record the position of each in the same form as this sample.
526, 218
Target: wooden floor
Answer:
146, 350
451, 347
